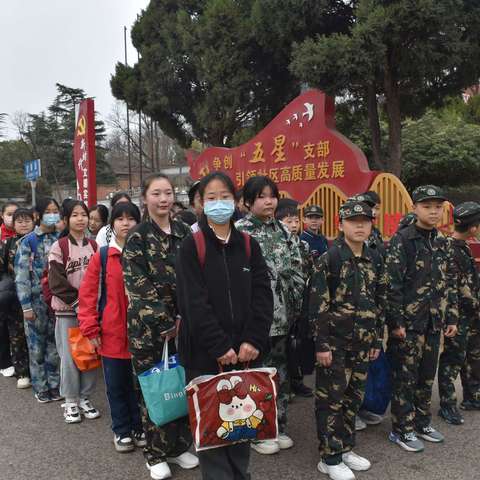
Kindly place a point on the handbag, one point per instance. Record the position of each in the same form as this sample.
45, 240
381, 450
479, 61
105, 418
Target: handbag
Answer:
378, 390
233, 407
163, 389
83, 353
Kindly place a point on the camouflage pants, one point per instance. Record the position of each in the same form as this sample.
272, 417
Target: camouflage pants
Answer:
450, 364
277, 358
42, 350
470, 373
413, 363
170, 440
18, 342
339, 393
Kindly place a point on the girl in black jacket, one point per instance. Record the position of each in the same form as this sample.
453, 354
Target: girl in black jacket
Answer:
226, 304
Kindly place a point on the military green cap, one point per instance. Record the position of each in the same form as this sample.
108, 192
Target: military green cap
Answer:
362, 197
313, 211
428, 192
354, 208
466, 213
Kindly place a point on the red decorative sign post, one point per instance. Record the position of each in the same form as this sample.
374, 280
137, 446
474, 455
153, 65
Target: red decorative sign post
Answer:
84, 158
300, 149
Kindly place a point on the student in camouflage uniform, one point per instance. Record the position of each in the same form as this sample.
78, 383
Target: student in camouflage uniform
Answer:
30, 262
347, 304
287, 213
149, 271
466, 218
284, 260
313, 221
420, 287
23, 225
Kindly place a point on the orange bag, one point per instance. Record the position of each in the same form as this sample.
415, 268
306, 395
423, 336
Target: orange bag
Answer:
83, 354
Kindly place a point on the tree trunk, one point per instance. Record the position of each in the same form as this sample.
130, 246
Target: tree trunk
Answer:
394, 161
374, 125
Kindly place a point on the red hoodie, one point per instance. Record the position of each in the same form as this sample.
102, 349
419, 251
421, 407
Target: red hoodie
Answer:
6, 233
113, 330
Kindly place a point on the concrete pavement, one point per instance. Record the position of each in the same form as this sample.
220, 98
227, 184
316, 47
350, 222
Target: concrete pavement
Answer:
36, 444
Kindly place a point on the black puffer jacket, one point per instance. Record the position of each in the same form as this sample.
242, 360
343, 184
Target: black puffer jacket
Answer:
226, 302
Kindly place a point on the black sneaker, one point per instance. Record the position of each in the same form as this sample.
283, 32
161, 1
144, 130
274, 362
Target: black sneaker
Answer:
139, 438
43, 397
123, 443
55, 395
302, 390
451, 415
470, 405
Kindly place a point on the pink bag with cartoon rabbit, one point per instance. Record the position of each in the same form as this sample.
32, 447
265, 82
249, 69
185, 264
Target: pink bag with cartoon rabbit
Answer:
233, 407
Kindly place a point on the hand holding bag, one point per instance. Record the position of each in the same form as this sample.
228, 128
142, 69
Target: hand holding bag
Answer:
163, 389
83, 353
233, 407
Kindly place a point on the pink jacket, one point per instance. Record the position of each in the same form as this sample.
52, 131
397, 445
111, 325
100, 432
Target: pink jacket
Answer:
64, 282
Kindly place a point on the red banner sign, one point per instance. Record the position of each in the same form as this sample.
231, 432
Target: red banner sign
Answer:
299, 149
84, 153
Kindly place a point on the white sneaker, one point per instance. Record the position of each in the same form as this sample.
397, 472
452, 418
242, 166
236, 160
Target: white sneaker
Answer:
266, 447
359, 424
8, 372
185, 460
160, 471
71, 413
336, 472
88, 410
355, 462
284, 441
23, 382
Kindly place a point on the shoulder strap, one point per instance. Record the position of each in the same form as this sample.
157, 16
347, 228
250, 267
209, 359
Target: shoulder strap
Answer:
199, 239
334, 264
410, 250
33, 242
248, 245
93, 243
103, 278
64, 245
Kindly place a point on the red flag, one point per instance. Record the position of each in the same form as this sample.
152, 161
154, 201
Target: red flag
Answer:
84, 153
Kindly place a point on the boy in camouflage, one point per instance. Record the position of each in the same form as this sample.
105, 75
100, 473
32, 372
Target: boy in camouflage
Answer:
421, 295
347, 304
466, 218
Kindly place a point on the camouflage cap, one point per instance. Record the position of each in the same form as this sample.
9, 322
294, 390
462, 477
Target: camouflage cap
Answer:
354, 208
428, 192
313, 210
466, 213
362, 197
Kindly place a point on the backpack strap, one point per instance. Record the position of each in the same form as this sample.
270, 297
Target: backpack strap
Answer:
93, 244
334, 265
201, 246
248, 245
103, 279
199, 239
32, 241
410, 250
64, 245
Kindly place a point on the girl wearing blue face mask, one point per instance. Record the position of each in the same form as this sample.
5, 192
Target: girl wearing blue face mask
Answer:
226, 305
30, 262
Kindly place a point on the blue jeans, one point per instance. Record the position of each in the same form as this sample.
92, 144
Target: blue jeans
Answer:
122, 397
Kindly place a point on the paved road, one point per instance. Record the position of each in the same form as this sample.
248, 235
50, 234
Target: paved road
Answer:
35, 444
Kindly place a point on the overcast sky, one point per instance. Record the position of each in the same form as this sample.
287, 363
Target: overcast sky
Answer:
73, 42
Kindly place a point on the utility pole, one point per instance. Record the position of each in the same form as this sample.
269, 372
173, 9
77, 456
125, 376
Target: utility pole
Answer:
128, 119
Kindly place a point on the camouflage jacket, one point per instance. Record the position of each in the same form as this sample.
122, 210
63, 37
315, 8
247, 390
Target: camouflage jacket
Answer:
149, 271
30, 265
375, 241
421, 289
284, 260
467, 280
347, 301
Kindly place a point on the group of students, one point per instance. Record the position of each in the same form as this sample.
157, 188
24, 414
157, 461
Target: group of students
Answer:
132, 283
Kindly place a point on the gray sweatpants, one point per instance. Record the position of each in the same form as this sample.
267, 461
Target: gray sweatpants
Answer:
74, 384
